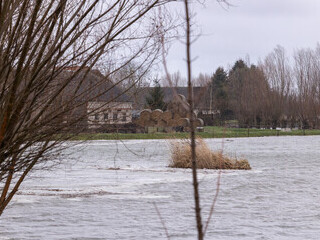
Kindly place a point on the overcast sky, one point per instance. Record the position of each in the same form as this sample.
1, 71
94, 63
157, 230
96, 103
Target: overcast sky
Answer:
250, 27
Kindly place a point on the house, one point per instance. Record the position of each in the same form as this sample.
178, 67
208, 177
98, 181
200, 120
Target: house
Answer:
94, 102
102, 112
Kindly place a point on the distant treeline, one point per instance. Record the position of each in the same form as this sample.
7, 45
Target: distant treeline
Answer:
278, 92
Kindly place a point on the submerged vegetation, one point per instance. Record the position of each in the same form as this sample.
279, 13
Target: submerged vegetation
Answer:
206, 158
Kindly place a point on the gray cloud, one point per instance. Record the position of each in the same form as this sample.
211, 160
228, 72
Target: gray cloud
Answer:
251, 27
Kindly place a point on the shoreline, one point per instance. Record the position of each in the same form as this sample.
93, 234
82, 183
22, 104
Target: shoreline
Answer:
209, 132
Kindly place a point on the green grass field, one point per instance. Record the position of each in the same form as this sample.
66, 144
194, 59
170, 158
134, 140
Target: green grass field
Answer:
209, 132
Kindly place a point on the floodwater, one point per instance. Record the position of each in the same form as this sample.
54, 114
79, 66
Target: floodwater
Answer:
86, 198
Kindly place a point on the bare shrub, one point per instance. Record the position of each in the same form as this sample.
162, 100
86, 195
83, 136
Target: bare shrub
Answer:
206, 158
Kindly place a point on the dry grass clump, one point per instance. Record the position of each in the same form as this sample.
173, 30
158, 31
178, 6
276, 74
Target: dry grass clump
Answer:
206, 158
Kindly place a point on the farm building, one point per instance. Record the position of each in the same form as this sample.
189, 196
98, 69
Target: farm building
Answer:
96, 103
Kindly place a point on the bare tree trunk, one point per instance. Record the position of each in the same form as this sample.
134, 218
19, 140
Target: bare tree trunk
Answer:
192, 131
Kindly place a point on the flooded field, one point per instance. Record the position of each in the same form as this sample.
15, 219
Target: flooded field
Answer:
107, 190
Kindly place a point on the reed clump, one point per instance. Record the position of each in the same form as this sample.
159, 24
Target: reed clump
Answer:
206, 158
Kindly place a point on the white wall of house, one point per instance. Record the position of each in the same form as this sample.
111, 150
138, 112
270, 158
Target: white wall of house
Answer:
101, 113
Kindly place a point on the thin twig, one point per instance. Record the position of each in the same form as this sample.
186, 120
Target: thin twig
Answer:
214, 202
162, 221
217, 187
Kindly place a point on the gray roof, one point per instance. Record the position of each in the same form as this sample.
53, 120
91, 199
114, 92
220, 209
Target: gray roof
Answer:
93, 86
200, 95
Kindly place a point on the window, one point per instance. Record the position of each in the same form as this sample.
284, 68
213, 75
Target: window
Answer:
124, 117
106, 116
115, 116
96, 116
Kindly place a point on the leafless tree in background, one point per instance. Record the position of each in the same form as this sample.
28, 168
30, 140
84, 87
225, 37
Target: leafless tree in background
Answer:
47, 47
278, 72
307, 76
173, 80
202, 80
254, 94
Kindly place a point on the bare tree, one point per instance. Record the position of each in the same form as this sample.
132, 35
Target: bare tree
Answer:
47, 48
307, 76
202, 80
188, 43
174, 80
254, 95
192, 129
278, 72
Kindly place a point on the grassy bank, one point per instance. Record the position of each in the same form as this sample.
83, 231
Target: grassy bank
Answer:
209, 132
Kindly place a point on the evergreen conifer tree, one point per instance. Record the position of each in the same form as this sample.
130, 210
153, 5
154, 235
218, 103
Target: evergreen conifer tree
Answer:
219, 91
155, 100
